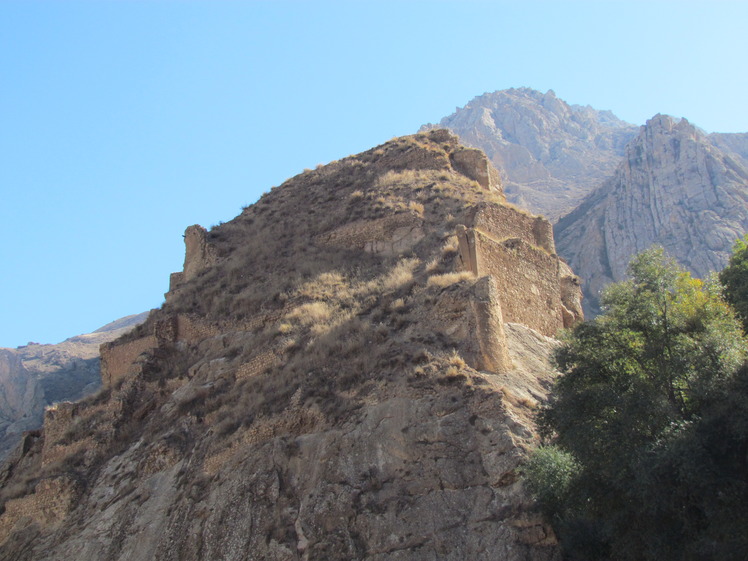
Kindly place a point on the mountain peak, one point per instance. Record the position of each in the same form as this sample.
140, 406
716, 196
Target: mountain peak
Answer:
551, 154
674, 188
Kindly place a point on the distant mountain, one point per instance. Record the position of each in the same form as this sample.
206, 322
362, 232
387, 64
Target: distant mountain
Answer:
551, 154
34, 376
613, 189
736, 143
676, 187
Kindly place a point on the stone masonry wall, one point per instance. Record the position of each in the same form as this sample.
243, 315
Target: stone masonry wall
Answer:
501, 222
120, 360
390, 235
527, 281
48, 505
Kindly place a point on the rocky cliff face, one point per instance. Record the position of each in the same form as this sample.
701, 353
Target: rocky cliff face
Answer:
347, 370
675, 187
35, 376
551, 154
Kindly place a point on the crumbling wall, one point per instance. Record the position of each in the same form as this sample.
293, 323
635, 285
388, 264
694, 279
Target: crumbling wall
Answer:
120, 360
571, 295
390, 235
199, 254
527, 280
501, 222
474, 164
469, 316
48, 505
535, 287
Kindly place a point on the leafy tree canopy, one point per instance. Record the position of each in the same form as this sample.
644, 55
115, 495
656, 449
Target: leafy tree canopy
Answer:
644, 446
734, 277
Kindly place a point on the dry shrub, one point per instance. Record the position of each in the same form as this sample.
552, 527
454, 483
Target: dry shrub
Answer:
400, 275
451, 246
416, 207
455, 360
311, 313
448, 279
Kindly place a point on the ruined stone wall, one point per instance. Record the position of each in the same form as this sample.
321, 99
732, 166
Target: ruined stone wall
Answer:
61, 419
474, 164
119, 360
470, 316
192, 330
527, 281
57, 419
501, 222
199, 254
390, 235
48, 505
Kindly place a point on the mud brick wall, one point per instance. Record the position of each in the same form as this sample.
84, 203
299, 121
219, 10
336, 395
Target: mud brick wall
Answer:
120, 360
501, 222
527, 281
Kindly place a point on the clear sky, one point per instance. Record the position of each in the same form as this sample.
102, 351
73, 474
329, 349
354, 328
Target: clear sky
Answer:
123, 122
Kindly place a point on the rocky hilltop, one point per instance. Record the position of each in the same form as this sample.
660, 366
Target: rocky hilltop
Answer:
34, 376
551, 154
347, 370
676, 187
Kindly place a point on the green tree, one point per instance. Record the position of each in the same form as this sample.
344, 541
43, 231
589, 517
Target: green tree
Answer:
637, 408
734, 277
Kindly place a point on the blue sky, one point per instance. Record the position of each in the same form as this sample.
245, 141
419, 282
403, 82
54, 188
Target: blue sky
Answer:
122, 123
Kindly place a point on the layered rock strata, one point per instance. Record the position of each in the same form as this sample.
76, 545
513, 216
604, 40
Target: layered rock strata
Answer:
674, 188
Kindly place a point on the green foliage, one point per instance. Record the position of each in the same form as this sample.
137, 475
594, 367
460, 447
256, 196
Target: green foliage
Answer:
734, 277
641, 408
548, 475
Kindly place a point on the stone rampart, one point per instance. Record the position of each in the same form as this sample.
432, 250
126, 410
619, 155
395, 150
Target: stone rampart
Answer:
391, 235
527, 281
199, 254
48, 505
501, 222
474, 164
470, 317
119, 360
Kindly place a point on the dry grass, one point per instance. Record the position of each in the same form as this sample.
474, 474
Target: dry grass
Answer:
448, 279
416, 207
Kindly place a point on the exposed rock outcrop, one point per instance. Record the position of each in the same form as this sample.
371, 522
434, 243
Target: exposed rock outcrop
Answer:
345, 375
674, 188
551, 154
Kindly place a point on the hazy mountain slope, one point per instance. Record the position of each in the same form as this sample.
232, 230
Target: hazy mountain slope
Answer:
347, 370
34, 376
674, 188
735, 143
550, 154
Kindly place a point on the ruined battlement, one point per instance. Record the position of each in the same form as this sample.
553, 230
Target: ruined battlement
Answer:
535, 287
120, 360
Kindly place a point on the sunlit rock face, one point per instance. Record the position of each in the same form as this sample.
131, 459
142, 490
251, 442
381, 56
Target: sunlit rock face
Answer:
674, 188
550, 154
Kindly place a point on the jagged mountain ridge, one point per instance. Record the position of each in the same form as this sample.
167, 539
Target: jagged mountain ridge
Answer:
692, 203
34, 376
551, 154
347, 370
674, 188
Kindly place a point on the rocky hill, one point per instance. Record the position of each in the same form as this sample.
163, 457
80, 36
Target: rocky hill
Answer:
551, 154
35, 376
347, 370
676, 187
